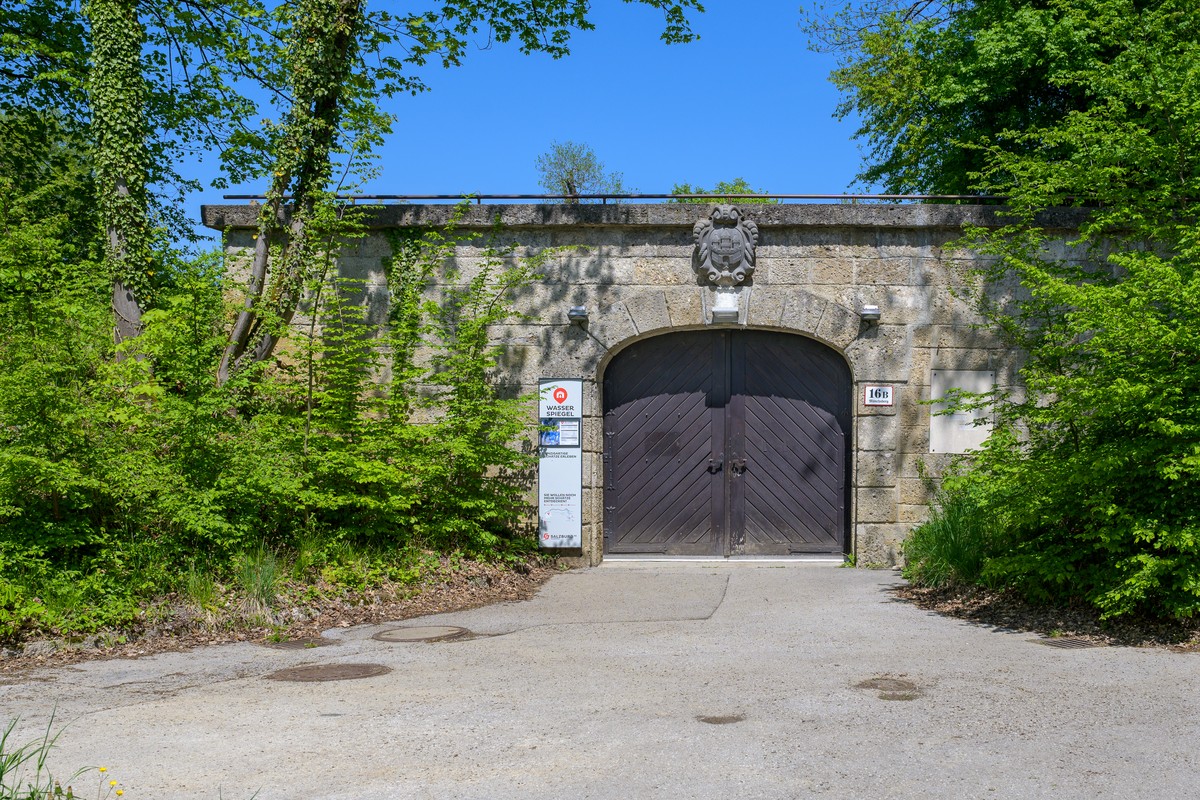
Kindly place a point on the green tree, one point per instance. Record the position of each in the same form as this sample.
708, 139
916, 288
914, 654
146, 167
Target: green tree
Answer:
154, 80
120, 478
340, 59
116, 92
735, 186
43, 43
934, 82
1091, 481
572, 168
322, 52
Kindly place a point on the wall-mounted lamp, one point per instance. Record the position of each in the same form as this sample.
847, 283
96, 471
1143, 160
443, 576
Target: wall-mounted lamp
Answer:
869, 314
578, 315
726, 306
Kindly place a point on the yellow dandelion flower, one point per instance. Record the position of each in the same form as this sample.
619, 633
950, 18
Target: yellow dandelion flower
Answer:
120, 792
112, 783
104, 769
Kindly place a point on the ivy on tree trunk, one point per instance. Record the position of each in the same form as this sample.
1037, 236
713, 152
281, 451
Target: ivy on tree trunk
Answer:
117, 93
322, 49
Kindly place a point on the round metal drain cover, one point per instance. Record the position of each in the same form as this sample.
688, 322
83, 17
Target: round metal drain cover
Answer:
424, 633
307, 643
891, 688
329, 672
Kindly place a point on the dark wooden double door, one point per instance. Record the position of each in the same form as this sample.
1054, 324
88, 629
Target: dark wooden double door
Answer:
726, 443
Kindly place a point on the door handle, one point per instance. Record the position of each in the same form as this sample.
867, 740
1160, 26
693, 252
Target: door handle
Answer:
737, 466
714, 465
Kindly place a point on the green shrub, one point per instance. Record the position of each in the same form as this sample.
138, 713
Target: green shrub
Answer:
118, 474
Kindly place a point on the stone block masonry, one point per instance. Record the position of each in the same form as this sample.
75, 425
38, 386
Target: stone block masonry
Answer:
815, 269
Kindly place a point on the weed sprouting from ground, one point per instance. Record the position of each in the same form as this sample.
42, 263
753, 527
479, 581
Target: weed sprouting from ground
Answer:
25, 776
259, 576
200, 588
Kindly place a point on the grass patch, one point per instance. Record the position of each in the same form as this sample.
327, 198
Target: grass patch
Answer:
250, 595
259, 576
200, 588
953, 546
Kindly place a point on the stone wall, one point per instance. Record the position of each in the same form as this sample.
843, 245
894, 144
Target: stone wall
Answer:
817, 266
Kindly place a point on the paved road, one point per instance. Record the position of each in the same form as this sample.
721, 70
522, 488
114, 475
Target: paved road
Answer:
597, 687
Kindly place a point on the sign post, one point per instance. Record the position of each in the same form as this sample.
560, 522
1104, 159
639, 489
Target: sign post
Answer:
560, 463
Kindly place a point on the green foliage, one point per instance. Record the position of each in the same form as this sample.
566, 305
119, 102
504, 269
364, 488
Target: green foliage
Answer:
127, 471
933, 84
116, 94
258, 574
24, 774
954, 544
200, 588
477, 490
474, 480
1091, 478
349, 566
1102, 460
1097, 474
46, 174
735, 186
43, 45
572, 168
115, 475
15, 781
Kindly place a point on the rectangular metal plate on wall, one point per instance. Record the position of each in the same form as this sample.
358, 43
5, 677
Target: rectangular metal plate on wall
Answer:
879, 396
960, 431
560, 463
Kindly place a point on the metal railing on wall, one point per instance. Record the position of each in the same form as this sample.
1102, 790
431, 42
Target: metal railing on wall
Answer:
604, 199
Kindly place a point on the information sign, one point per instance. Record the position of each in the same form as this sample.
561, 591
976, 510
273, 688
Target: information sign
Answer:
560, 463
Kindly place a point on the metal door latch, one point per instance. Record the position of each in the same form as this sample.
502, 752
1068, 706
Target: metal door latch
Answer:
714, 465
737, 466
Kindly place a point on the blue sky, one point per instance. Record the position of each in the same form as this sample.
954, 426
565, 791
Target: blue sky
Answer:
749, 99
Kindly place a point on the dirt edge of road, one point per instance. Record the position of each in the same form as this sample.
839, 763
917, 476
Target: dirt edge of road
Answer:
302, 615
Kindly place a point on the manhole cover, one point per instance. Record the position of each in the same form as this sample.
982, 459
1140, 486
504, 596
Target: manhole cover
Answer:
425, 633
306, 643
329, 672
1068, 643
724, 719
887, 685
891, 688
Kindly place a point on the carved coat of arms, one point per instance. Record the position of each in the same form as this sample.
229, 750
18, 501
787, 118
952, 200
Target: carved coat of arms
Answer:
725, 246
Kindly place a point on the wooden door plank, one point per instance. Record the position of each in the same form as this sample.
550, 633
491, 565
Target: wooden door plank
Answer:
659, 436
796, 402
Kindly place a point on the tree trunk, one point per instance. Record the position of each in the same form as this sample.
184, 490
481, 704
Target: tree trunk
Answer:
117, 91
244, 326
319, 77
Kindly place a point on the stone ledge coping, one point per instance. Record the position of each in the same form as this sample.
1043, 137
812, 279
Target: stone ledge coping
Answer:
670, 215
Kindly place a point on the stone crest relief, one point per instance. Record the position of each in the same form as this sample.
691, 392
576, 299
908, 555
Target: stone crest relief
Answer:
725, 245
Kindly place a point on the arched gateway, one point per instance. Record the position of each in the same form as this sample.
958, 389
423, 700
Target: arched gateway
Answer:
715, 348
726, 443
